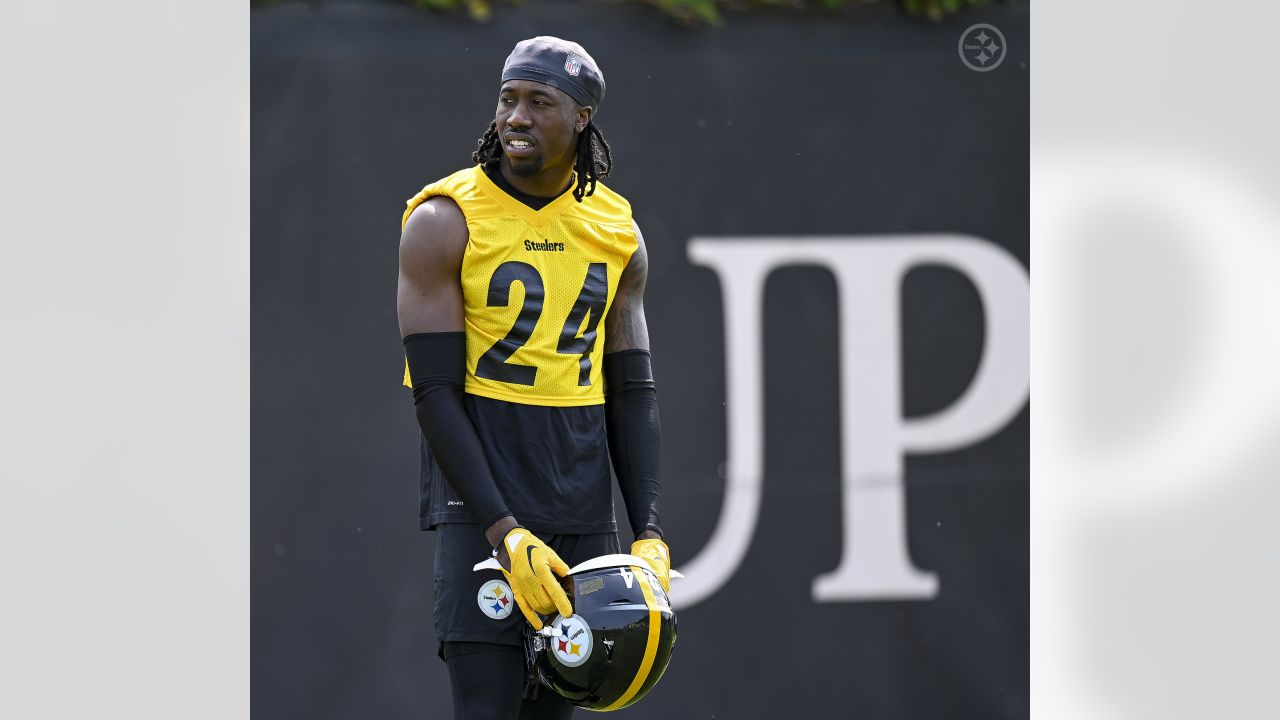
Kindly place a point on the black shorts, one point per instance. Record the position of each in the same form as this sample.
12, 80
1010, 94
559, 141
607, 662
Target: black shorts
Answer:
477, 606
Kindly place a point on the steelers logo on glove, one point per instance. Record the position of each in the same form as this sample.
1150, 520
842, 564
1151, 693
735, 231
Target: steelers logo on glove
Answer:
533, 577
655, 553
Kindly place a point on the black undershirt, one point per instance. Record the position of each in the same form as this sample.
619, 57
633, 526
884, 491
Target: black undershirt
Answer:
534, 201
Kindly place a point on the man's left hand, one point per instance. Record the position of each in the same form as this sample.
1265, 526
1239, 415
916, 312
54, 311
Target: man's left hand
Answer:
654, 552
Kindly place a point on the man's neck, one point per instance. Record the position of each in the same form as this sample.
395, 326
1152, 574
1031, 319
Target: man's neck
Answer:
533, 201
549, 183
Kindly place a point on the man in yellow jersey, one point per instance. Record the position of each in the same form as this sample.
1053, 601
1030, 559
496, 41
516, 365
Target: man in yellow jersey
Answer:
520, 301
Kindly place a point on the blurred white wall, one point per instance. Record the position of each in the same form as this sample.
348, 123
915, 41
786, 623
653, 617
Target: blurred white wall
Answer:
1156, 343
124, 359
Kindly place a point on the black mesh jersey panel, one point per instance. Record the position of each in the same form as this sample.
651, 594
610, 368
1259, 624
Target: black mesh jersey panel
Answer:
551, 465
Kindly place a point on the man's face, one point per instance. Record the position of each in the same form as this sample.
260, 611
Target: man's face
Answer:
538, 126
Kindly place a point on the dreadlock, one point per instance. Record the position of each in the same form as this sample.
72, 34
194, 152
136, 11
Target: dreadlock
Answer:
594, 159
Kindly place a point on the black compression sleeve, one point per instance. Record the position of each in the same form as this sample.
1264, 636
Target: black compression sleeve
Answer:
631, 421
437, 366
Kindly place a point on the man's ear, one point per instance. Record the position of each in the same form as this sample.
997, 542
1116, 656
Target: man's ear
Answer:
584, 118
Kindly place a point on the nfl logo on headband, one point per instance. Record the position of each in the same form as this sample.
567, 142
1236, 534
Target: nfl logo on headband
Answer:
559, 63
573, 64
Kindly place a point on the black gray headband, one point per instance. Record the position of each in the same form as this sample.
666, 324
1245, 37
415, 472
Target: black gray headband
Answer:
559, 63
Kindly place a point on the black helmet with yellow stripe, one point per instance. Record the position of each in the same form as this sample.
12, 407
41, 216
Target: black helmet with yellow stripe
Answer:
616, 645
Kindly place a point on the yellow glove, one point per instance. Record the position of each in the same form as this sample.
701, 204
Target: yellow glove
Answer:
655, 552
532, 577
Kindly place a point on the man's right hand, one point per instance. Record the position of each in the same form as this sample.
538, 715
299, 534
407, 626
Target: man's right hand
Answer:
532, 571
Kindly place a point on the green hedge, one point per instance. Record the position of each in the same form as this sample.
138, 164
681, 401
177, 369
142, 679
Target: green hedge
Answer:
710, 12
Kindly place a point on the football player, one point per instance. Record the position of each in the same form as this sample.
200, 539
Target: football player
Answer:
521, 305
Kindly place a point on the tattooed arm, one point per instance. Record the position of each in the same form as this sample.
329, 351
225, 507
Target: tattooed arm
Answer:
631, 401
625, 327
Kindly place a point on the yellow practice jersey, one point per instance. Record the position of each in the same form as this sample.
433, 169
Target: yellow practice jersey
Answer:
536, 286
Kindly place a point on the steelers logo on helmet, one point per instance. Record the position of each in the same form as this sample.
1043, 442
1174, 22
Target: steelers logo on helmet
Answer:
496, 600
573, 646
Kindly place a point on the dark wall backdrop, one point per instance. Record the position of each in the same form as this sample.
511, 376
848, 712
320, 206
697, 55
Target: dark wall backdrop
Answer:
779, 123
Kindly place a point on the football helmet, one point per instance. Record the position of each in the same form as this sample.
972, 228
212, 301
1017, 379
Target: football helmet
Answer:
615, 646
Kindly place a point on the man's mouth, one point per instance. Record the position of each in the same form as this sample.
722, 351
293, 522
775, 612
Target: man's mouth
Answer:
519, 145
